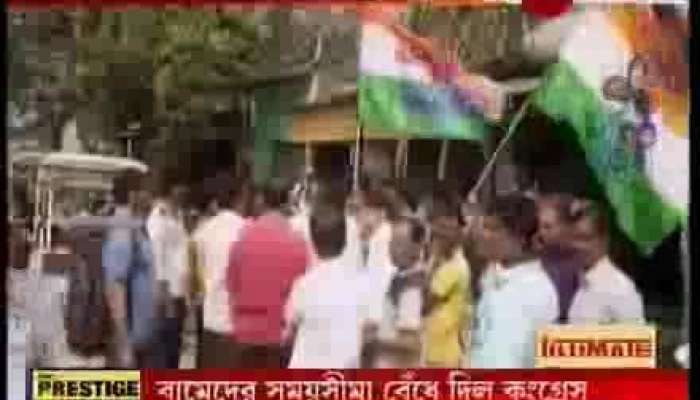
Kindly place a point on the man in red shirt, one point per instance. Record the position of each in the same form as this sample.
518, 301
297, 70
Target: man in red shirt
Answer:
264, 263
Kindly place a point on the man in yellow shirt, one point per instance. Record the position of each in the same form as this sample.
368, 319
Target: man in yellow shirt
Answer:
448, 296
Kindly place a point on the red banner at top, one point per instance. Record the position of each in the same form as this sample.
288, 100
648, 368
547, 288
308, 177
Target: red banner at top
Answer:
547, 8
350, 4
415, 385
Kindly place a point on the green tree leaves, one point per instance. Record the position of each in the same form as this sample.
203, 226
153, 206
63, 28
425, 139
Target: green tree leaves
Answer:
174, 52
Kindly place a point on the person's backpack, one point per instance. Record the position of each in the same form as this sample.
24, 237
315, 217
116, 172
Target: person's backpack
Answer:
87, 318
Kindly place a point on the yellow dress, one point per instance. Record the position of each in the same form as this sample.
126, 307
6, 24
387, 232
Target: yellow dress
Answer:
447, 323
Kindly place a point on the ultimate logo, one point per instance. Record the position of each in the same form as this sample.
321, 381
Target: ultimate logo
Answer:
84, 385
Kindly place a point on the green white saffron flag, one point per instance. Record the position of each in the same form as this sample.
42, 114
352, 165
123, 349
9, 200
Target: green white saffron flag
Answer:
404, 90
644, 172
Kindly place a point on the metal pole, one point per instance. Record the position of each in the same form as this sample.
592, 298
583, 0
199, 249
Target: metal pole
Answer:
401, 159
308, 158
509, 134
37, 207
357, 158
49, 218
486, 172
404, 166
398, 161
308, 171
442, 161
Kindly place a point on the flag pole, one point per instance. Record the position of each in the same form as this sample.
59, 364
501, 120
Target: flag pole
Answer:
308, 170
308, 157
357, 158
401, 158
398, 161
488, 168
442, 161
404, 165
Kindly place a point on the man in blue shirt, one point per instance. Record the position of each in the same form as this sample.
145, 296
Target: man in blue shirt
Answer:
127, 263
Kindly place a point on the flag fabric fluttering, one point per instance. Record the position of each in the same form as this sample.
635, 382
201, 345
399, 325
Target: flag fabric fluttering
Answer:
413, 86
631, 123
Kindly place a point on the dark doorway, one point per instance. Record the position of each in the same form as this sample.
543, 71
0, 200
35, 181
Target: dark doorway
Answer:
332, 162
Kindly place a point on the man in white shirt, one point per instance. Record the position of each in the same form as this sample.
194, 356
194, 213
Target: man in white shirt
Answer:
397, 343
370, 235
213, 240
324, 312
166, 229
518, 297
605, 294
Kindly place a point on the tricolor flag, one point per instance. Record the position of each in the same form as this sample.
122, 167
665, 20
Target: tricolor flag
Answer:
413, 86
639, 154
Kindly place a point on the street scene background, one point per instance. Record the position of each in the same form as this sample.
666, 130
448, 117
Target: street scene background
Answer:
267, 94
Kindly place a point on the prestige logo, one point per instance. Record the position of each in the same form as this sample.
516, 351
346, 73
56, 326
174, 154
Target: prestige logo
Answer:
612, 346
73, 385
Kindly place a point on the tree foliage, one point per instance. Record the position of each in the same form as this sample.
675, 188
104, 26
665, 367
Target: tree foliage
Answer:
173, 54
484, 34
18, 70
39, 59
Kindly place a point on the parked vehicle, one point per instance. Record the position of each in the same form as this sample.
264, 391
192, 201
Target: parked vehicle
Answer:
61, 184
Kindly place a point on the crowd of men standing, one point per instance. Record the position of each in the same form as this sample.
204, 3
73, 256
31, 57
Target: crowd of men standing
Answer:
351, 279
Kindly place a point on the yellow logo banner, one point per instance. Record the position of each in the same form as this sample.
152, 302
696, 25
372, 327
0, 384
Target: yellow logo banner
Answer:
85, 385
606, 346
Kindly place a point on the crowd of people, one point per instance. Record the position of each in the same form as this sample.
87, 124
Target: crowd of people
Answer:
363, 278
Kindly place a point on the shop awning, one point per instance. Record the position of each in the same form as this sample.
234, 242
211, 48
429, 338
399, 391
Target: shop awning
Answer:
331, 125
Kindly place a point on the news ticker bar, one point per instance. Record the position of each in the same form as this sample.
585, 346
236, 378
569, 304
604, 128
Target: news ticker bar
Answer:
642, 384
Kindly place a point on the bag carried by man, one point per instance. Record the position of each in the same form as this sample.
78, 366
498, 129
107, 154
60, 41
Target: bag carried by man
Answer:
87, 318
